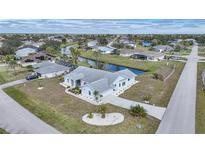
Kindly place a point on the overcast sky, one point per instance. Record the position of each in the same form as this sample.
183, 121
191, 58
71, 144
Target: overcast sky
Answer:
131, 26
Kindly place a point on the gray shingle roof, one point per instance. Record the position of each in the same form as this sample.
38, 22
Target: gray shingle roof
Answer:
100, 85
49, 67
24, 52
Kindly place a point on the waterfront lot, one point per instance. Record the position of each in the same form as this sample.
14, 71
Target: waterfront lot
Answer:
7, 74
159, 91
126, 61
64, 111
200, 106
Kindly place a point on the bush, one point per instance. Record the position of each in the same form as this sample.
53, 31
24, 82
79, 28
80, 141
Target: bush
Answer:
75, 90
147, 98
102, 109
90, 115
158, 76
138, 111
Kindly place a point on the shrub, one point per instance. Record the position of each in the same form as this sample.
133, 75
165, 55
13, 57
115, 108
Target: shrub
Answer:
138, 111
147, 98
158, 76
90, 115
102, 109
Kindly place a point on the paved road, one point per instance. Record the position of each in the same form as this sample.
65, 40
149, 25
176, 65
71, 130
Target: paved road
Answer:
13, 83
16, 119
154, 111
179, 118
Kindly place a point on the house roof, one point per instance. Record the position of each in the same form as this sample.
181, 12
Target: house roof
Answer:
92, 43
163, 47
99, 85
50, 67
25, 52
105, 49
97, 78
66, 50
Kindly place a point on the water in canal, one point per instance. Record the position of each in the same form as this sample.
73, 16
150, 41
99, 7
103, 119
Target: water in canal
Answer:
110, 67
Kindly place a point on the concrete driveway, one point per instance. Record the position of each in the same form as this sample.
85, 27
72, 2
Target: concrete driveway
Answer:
17, 120
180, 114
154, 111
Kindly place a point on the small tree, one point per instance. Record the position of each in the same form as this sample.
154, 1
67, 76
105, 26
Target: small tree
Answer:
102, 109
138, 111
147, 98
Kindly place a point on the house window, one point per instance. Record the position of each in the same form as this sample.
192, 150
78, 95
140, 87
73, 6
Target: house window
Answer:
67, 80
129, 79
89, 92
119, 84
123, 84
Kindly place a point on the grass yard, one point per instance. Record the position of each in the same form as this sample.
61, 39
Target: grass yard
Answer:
160, 91
83, 64
7, 74
64, 112
200, 106
201, 51
2, 131
126, 61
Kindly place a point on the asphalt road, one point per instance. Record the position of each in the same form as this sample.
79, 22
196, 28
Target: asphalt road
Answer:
179, 117
17, 120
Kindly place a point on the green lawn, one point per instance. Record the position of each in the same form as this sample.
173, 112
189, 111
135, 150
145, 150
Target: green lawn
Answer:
201, 51
64, 112
7, 74
2, 131
160, 91
200, 106
126, 61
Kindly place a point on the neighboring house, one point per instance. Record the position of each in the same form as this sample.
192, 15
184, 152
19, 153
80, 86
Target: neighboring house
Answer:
148, 55
1, 43
105, 49
66, 50
203, 79
96, 84
24, 52
56, 38
129, 52
163, 48
146, 44
92, 44
32, 43
49, 69
124, 40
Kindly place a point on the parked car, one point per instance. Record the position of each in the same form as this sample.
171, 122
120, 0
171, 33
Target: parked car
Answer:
31, 77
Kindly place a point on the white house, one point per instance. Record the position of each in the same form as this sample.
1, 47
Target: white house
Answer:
24, 52
96, 84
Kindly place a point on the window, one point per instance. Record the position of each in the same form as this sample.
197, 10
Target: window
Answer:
89, 92
72, 83
123, 84
119, 84
129, 79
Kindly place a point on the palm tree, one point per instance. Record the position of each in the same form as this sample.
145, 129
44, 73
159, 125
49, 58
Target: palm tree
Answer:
13, 65
75, 53
102, 110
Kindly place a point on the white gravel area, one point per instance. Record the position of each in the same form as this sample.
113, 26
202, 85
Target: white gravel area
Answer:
110, 119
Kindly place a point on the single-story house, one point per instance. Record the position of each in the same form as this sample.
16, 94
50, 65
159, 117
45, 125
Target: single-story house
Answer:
40, 56
129, 52
32, 43
203, 78
49, 69
92, 44
148, 55
96, 84
146, 44
105, 49
163, 48
66, 50
56, 37
24, 52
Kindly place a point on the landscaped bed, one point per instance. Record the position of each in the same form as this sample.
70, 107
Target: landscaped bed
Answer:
64, 112
200, 106
155, 91
8, 74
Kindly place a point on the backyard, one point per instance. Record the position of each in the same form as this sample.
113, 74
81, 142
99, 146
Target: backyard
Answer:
8, 74
64, 112
157, 91
200, 106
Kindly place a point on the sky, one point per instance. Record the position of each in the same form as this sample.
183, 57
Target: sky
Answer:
107, 26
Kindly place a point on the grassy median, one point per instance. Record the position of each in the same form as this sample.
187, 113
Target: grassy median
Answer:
200, 106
